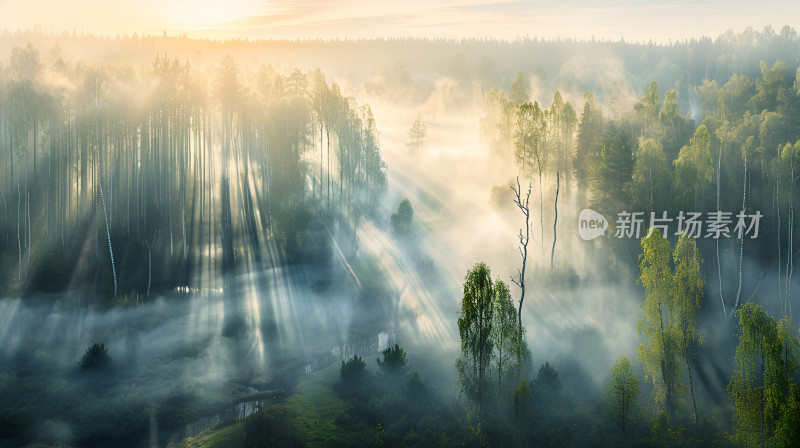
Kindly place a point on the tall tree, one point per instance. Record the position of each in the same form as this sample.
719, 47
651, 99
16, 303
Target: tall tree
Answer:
759, 385
504, 334
687, 290
621, 391
475, 330
590, 132
659, 353
650, 182
694, 170
519, 279
417, 134
518, 93
647, 109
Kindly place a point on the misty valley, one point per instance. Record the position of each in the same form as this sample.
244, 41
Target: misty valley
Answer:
398, 242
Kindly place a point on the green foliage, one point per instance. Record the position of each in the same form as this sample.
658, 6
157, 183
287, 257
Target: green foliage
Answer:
763, 390
522, 400
404, 218
530, 151
694, 170
504, 333
394, 361
620, 392
475, 328
659, 354
95, 358
416, 388
612, 171
590, 131
647, 108
271, 427
518, 93
650, 183
547, 380
352, 370
417, 134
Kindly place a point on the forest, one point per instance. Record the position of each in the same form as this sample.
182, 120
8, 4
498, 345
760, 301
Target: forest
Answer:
379, 242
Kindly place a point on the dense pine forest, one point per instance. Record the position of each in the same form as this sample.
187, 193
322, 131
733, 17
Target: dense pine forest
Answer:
383, 242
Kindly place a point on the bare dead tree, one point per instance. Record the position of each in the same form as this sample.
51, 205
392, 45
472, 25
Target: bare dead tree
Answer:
555, 221
519, 279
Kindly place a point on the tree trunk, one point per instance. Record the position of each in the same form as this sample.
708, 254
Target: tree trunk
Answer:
555, 221
689, 372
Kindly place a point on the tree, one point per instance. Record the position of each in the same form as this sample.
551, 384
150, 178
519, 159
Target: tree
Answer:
647, 109
770, 85
531, 152
612, 170
485, 71
621, 391
402, 220
475, 330
504, 333
694, 169
547, 384
590, 132
519, 279
95, 358
659, 354
650, 182
760, 386
687, 290
562, 121
529, 136
394, 361
417, 134
352, 370
518, 93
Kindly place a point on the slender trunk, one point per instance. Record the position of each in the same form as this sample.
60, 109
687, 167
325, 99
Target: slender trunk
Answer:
741, 245
763, 401
108, 235
520, 280
149, 268
328, 139
664, 357
789, 262
555, 221
719, 266
19, 235
778, 235
541, 216
689, 373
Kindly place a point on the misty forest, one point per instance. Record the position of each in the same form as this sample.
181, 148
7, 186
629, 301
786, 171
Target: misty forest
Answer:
380, 242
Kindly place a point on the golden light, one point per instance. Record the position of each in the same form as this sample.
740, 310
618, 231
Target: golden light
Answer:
206, 14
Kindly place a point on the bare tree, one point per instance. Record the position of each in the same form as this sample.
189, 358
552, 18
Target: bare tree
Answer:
519, 279
555, 220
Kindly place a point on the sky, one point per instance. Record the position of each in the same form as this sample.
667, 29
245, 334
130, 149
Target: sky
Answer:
632, 20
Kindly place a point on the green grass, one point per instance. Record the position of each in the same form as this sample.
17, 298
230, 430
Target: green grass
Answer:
314, 409
223, 435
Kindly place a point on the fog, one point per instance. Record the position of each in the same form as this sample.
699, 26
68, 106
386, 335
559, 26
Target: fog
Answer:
227, 324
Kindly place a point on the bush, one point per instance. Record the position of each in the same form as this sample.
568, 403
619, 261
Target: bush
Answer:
95, 358
353, 369
394, 360
271, 427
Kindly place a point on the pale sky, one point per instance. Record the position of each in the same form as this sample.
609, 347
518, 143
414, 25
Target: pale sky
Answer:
641, 20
